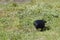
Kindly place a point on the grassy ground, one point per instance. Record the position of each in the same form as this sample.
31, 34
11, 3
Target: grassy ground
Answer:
16, 20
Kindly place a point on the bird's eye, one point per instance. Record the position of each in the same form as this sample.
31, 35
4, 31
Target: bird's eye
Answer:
36, 23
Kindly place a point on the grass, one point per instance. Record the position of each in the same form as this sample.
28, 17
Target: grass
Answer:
16, 20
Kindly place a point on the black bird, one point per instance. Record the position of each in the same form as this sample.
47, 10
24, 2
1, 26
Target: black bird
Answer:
39, 24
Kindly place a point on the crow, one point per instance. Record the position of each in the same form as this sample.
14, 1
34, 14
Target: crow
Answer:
39, 24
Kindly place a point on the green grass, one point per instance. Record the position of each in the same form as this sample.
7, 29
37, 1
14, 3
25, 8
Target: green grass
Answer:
16, 20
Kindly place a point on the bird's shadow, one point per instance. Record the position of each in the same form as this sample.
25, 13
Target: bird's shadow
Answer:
45, 29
